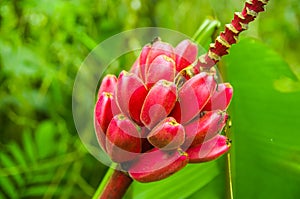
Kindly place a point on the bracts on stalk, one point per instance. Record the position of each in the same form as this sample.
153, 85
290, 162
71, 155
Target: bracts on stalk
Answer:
226, 38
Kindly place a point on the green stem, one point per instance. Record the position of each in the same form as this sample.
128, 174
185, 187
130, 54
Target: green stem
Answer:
114, 184
205, 31
229, 177
104, 181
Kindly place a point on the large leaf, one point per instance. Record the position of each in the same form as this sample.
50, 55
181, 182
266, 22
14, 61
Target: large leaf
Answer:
266, 127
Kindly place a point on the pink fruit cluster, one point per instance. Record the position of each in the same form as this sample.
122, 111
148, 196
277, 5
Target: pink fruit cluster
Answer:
151, 125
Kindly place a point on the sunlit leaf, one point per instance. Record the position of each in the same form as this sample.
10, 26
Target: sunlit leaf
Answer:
266, 149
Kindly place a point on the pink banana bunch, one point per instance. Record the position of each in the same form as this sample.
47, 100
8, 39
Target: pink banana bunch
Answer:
152, 125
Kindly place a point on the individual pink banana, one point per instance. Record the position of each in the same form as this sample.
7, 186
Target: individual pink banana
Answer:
123, 139
204, 128
209, 150
158, 103
130, 95
167, 135
221, 98
186, 53
108, 84
155, 165
193, 96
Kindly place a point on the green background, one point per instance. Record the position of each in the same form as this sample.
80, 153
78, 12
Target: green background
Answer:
43, 43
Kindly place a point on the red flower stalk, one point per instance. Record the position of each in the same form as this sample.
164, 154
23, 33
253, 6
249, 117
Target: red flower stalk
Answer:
226, 38
229, 36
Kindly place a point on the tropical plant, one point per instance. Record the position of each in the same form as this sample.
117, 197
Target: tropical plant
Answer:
43, 43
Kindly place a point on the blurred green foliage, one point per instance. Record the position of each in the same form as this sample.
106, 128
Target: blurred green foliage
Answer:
43, 43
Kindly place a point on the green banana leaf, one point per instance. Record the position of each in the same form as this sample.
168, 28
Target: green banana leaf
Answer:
265, 154
266, 124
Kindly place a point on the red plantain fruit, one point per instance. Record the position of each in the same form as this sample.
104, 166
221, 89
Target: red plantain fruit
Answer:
221, 98
103, 110
108, 84
194, 94
123, 139
147, 122
186, 53
143, 61
158, 103
167, 135
155, 165
161, 68
160, 48
209, 150
204, 128
103, 114
130, 94
168, 110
